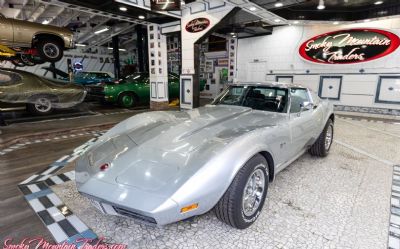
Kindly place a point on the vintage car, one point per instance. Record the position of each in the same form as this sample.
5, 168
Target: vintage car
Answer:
134, 89
167, 166
23, 90
34, 39
91, 77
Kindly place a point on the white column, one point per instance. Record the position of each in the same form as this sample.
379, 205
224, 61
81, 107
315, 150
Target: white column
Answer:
158, 67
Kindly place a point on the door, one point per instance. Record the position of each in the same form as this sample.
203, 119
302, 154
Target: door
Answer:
302, 125
388, 90
6, 31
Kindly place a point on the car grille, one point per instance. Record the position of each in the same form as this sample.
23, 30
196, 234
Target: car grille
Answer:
134, 215
96, 90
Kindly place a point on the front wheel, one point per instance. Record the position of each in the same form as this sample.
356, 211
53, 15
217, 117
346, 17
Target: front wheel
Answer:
242, 203
323, 144
50, 50
41, 105
127, 100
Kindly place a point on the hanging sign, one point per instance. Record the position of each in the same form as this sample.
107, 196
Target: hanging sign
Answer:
197, 25
349, 46
165, 5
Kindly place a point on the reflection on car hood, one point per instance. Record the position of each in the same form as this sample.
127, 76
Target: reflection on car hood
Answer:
165, 143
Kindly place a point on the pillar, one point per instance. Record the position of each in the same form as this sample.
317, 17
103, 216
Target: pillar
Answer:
117, 65
157, 47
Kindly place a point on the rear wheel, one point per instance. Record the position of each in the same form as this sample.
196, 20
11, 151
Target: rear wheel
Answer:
127, 100
242, 203
41, 105
50, 50
323, 144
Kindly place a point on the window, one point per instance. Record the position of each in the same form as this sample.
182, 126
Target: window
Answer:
264, 98
298, 96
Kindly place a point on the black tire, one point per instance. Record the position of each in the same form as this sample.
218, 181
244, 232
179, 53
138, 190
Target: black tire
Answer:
36, 59
122, 100
230, 209
321, 147
39, 105
26, 59
50, 50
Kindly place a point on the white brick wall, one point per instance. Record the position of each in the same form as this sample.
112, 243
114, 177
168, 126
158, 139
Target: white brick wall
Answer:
280, 53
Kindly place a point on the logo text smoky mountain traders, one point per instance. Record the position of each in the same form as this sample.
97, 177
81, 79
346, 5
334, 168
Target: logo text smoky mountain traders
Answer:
349, 46
197, 25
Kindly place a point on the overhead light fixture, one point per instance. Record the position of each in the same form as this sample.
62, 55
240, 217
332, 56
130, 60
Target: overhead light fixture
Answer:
45, 22
252, 8
121, 49
378, 2
123, 8
101, 30
277, 20
141, 17
232, 33
321, 5
80, 45
335, 22
296, 22
278, 4
367, 20
234, 36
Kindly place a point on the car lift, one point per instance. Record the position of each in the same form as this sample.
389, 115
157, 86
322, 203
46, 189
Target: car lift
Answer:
6, 51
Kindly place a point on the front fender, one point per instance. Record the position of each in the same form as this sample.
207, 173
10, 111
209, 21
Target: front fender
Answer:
209, 183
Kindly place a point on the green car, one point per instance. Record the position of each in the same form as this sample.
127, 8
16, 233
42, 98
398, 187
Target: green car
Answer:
134, 90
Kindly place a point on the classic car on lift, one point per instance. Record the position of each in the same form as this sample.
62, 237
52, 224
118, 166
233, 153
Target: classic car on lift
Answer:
166, 166
134, 89
21, 90
34, 43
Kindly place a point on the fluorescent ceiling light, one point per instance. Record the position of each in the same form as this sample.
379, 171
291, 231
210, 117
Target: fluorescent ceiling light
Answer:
277, 20
336, 23
123, 9
121, 49
296, 22
252, 8
80, 45
278, 4
367, 20
45, 22
321, 5
141, 17
232, 33
378, 2
101, 30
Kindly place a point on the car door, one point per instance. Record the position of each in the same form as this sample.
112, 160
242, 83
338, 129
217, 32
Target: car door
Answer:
6, 31
302, 126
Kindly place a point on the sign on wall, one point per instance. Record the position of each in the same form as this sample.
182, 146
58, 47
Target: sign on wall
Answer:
165, 5
197, 25
349, 46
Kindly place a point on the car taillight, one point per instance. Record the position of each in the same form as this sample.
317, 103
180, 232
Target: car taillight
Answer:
104, 167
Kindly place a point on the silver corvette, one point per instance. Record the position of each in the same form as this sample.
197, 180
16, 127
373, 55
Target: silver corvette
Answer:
166, 166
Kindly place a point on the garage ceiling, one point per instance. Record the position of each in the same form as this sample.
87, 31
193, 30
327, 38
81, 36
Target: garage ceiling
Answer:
338, 10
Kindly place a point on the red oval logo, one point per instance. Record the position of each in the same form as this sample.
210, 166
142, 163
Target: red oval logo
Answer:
197, 25
349, 46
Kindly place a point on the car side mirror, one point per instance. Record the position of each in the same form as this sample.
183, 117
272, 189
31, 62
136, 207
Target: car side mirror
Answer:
305, 106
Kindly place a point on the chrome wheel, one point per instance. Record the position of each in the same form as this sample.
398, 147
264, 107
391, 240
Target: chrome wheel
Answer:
51, 50
253, 192
43, 105
328, 137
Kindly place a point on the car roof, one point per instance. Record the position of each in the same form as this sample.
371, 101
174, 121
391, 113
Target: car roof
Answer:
270, 84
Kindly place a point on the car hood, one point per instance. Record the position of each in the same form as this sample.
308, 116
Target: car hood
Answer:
159, 149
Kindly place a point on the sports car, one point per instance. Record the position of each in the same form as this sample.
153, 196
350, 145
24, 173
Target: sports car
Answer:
167, 166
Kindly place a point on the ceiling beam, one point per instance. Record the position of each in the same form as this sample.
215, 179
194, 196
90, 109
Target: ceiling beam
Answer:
91, 31
109, 37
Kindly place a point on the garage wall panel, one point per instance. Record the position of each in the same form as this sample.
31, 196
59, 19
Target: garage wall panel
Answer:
280, 50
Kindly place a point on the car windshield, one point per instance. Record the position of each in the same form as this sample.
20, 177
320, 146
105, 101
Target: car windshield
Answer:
264, 98
135, 78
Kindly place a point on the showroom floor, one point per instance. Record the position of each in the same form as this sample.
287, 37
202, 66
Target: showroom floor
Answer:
341, 201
